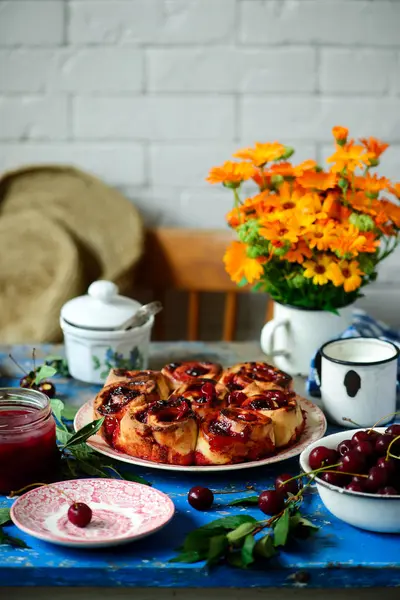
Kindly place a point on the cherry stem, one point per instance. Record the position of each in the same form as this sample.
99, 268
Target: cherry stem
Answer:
18, 365
32, 485
34, 359
351, 421
385, 417
388, 453
316, 471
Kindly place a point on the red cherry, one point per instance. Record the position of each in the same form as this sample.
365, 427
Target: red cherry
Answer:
345, 447
388, 491
271, 502
287, 488
334, 478
382, 443
200, 498
79, 514
377, 478
354, 487
393, 429
354, 462
46, 387
389, 465
27, 380
322, 457
359, 481
208, 390
366, 448
360, 436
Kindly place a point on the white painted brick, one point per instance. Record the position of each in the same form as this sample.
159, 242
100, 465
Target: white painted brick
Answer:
312, 118
72, 70
115, 163
157, 205
154, 117
186, 165
27, 70
320, 21
31, 22
231, 70
33, 117
100, 70
151, 21
357, 70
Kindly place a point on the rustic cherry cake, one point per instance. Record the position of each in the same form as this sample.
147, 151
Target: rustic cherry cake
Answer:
196, 413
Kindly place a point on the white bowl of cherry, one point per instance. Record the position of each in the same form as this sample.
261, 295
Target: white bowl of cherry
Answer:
370, 498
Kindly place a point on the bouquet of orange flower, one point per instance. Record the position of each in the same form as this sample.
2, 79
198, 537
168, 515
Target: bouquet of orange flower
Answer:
310, 237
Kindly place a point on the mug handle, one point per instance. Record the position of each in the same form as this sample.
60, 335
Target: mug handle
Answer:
268, 337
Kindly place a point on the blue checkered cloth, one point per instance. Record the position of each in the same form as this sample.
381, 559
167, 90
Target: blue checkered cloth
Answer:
363, 326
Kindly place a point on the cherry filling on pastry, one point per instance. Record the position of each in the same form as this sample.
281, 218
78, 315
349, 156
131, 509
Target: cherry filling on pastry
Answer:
283, 407
203, 395
178, 373
114, 399
168, 411
234, 435
241, 376
146, 381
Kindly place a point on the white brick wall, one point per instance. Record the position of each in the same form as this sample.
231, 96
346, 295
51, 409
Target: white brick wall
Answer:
148, 94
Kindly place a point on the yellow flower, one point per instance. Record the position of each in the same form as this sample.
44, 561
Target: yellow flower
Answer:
231, 173
319, 270
372, 184
348, 241
349, 275
262, 153
320, 236
317, 180
349, 157
240, 266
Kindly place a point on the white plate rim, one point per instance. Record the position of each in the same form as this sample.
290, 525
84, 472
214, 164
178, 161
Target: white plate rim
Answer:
118, 541
308, 437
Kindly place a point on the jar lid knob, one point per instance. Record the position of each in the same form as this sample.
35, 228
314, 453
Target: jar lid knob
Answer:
103, 290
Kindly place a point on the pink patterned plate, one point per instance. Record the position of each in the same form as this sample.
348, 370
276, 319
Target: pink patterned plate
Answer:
313, 431
122, 512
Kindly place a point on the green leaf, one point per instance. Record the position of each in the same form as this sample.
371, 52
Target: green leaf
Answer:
188, 557
199, 539
264, 547
4, 516
69, 412
85, 433
96, 362
244, 501
57, 407
230, 522
240, 532
83, 452
44, 372
247, 550
217, 548
63, 436
9, 540
301, 527
281, 529
243, 282
235, 560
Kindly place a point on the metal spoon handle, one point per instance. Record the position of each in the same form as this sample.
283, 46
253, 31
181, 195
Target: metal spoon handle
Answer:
143, 315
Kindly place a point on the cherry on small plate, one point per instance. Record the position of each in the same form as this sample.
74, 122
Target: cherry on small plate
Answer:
122, 512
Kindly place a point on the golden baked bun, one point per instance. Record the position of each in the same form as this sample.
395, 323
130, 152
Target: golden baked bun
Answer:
140, 379
203, 395
178, 373
234, 435
265, 376
164, 432
283, 407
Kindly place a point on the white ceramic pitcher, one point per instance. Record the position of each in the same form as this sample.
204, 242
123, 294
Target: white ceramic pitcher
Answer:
294, 335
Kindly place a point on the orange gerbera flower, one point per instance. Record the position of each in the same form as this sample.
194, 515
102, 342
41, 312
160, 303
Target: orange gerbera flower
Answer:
361, 202
371, 243
319, 270
297, 253
240, 266
349, 275
349, 157
372, 184
231, 173
262, 153
317, 180
340, 134
395, 189
320, 236
276, 232
392, 211
374, 146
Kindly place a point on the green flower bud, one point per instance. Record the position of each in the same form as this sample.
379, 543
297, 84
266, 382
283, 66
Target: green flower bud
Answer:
255, 251
343, 184
288, 153
298, 281
372, 195
280, 251
277, 180
362, 222
373, 162
232, 184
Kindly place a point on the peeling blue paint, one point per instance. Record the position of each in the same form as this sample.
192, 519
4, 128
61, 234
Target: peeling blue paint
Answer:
338, 556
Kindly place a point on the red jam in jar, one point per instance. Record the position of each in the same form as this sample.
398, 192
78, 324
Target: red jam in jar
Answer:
28, 449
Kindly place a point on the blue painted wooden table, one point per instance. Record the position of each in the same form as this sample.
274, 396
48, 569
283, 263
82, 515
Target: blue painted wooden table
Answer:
338, 556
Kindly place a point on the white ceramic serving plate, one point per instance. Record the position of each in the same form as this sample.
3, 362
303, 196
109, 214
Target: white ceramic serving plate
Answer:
314, 430
123, 512
367, 511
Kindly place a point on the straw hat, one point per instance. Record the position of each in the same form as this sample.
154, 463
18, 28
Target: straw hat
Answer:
105, 225
39, 272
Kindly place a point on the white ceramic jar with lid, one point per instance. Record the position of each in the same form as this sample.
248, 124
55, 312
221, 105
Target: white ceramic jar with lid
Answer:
95, 340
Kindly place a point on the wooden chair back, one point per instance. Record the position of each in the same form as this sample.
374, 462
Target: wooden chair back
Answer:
190, 260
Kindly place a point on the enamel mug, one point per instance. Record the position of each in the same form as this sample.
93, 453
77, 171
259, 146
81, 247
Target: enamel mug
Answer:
358, 379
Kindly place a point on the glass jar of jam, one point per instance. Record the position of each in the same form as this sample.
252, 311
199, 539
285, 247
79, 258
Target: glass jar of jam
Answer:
28, 449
